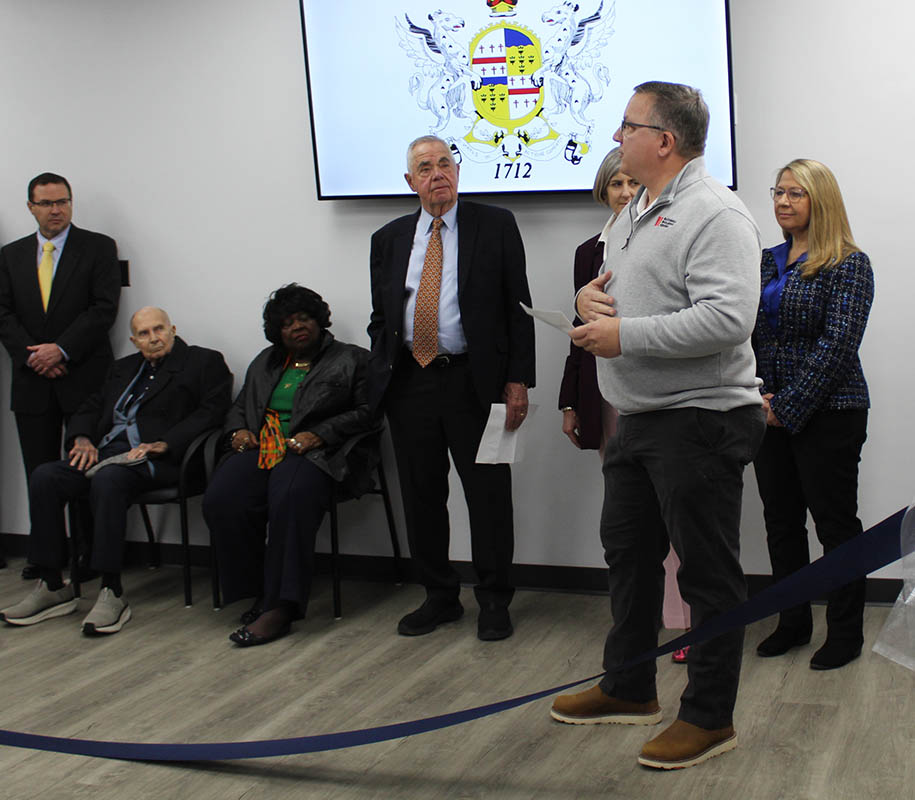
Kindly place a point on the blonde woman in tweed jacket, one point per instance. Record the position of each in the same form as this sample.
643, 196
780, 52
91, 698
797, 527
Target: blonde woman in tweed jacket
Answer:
817, 289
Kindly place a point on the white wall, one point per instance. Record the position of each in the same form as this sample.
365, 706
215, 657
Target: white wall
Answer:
183, 127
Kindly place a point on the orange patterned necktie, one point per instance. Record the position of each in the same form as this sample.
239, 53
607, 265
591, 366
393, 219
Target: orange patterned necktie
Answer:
425, 317
46, 273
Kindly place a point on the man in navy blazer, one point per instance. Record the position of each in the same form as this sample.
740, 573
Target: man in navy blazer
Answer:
59, 349
151, 406
484, 354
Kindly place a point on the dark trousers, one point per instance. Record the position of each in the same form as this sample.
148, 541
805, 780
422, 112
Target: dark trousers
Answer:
432, 412
264, 524
816, 470
40, 442
40, 436
676, 477
110, 493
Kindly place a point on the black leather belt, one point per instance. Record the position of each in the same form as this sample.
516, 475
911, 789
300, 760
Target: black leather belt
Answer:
448, 360
442, 360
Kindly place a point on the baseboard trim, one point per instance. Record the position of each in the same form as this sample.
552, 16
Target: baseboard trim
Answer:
583, 580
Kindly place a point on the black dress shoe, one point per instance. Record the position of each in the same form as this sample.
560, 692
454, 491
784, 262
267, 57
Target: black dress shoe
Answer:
31, 572
781, 641
834, 654
428, 617
494, 623
245, 638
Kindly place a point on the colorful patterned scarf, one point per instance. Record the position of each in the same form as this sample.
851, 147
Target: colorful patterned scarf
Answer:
272, 441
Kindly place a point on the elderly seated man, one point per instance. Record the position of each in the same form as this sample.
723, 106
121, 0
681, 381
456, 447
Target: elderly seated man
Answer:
150, 408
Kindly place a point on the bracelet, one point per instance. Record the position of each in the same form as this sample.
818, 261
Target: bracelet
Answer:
567, 408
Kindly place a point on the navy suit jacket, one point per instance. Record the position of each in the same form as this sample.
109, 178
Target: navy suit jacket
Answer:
81, 309
491, 282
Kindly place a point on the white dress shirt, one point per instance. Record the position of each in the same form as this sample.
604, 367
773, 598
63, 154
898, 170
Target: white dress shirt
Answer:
450, 332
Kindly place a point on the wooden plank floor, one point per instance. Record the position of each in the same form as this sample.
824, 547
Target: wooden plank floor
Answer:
172, 676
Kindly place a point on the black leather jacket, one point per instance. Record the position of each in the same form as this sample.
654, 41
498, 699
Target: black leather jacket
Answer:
332, 402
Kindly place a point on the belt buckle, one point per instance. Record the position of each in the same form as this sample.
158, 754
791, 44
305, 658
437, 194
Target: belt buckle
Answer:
443, 360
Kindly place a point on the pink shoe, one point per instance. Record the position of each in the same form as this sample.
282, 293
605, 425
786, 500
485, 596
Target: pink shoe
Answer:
680, 656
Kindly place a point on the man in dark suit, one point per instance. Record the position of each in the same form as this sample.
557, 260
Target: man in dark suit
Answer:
150, 408
448, 339
59, 292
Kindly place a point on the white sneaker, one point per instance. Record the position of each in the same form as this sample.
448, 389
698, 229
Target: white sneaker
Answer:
41, 604
109, 614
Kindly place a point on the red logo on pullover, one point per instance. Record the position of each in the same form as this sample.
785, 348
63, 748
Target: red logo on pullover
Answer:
664, 222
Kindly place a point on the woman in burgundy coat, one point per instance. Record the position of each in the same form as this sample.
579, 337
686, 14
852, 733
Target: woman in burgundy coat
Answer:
587, 419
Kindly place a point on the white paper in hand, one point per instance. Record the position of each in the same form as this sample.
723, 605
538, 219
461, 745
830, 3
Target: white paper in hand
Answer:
556, 319
499, 446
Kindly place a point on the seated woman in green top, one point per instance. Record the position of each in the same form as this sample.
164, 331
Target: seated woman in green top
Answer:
300, 424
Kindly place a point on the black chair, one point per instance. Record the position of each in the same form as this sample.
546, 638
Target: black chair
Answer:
380, 489
192, 480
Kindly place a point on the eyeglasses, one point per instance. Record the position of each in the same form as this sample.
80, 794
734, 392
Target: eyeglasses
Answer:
51, 203
629, 127
794, 194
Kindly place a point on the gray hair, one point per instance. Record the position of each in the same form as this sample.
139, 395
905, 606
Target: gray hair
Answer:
682, 111
605, 172
427, 139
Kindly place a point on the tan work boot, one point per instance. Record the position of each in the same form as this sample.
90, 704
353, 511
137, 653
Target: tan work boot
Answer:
685, 745
593, 707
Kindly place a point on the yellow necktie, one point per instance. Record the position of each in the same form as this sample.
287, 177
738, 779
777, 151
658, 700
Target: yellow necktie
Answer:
425, 317
46, 273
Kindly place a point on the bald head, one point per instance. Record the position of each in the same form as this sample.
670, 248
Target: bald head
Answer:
144, 312
152, 333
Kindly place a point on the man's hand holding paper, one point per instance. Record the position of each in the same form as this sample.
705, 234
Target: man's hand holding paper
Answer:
600, 337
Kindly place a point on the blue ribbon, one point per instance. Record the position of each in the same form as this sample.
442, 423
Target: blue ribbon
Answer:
873, 549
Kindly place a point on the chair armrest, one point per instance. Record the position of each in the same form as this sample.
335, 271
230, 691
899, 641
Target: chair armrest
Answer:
350, 443
190, 454
209, 452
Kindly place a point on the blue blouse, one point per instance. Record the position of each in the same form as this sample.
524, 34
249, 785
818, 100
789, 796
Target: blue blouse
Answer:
772, 292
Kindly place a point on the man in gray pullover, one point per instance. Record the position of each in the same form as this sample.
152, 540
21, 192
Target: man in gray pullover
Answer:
670, 319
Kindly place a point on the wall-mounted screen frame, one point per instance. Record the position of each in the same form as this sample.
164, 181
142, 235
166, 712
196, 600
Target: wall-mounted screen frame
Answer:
527, 93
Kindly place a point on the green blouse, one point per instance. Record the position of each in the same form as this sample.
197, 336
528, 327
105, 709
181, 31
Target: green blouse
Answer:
283, 393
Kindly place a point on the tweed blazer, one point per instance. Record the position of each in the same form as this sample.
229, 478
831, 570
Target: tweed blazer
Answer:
810, 361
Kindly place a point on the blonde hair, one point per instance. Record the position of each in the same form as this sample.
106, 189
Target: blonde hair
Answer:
829, 239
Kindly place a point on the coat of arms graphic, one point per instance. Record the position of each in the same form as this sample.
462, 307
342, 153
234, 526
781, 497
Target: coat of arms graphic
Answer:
506, 92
